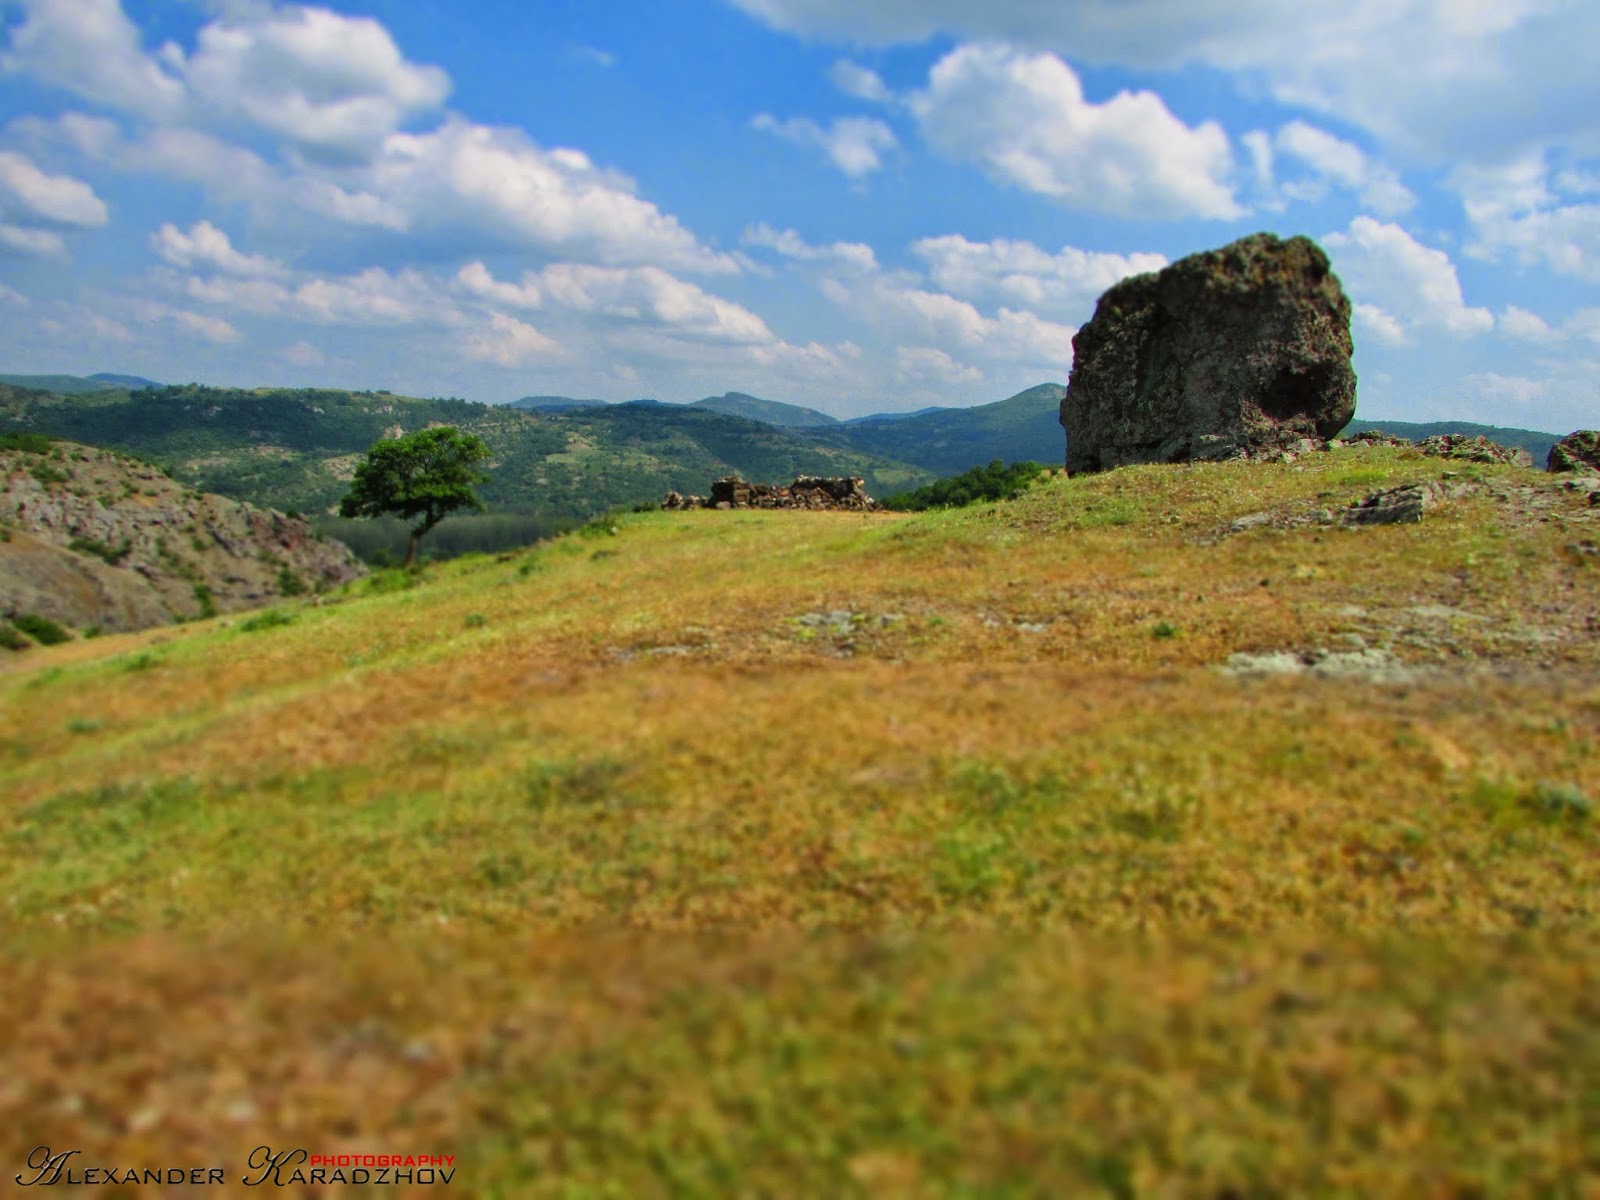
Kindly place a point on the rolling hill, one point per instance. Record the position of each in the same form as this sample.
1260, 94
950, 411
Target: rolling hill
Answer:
773, 412
773, 853
67, 385
297, 449
947, 441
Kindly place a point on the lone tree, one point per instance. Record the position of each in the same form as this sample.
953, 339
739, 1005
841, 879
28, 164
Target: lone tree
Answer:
428, 474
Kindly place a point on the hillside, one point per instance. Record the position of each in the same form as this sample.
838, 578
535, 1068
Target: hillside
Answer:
948, 441
753, 408
297, 449
1110, 841
93, 540
1535, 442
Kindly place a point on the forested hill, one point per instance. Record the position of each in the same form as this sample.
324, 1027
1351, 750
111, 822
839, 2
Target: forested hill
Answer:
297, 448
948, 441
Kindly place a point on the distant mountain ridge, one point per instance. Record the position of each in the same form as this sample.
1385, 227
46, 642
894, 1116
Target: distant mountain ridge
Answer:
72, 385
773, 412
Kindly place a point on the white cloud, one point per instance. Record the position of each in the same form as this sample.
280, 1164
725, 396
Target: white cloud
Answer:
477, 280
1520, 323
861, 82
508, 342
373, 297
1380, 324
791, 245
1436, 80
52, 199
1020, 272
325, 81
12, 296
593, 54
898, 307
1516, 209
651, 295
206, 245
31, 241
495, 184
930, 363
90, 48
303, 354
1402, 284
1345, 165
855, 145
1023, 117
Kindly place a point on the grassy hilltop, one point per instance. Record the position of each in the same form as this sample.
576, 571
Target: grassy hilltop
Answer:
817, 854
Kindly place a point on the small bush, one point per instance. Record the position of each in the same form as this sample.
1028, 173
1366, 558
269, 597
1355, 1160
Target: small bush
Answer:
111, 554
28, 443
46, 474
273, 618
476, 620
10, 639
290, 584
1163, 630
207, 603
41, 629
993, 482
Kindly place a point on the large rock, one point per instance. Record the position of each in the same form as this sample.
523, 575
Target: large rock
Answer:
1230, 352
1578, 451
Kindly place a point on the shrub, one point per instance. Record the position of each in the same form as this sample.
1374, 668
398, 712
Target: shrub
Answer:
27, 443
290, 584
111, 554
10, 639
993, 482
46, 474
41, 629
272, 618
203, 597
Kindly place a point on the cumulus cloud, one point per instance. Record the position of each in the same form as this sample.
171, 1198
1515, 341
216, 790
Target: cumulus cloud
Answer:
326, 81
649, 294
1435, 80
791, 245
861, 82
1517, 210
302, 354
12, 296
205, 326
335, 92
1020, 272
30, 241
1399, 285
51, 199
508, 342
204, 245
1342, 164
90, 48
931, 363
856, 145
1024, 119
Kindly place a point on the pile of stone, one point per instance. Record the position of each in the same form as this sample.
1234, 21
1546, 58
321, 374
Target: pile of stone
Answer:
807, 491
1577, 452
1473, 449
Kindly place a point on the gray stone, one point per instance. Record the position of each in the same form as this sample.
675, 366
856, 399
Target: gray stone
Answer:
1232, 352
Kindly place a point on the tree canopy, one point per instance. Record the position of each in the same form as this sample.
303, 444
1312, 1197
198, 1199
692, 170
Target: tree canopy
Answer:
422, 477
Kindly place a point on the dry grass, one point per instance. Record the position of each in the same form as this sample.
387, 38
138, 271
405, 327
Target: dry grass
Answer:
601, 870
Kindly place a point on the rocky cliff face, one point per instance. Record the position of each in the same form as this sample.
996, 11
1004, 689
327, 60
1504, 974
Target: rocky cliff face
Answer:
92, 539
1234, 351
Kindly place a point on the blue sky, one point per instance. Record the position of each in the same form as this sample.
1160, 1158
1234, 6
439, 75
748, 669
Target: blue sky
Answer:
858, 205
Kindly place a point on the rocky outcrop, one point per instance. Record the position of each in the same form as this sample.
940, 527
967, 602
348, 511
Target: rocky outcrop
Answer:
1229, 353
1578, 451
93, 539
807, 491
1473, 449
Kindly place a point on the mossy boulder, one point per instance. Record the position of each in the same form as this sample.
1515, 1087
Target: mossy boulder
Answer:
1227, 353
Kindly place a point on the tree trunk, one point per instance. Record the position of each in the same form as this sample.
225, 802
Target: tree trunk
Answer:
411, 547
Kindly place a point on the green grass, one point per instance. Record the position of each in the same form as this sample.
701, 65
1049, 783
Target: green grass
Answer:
596, 872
